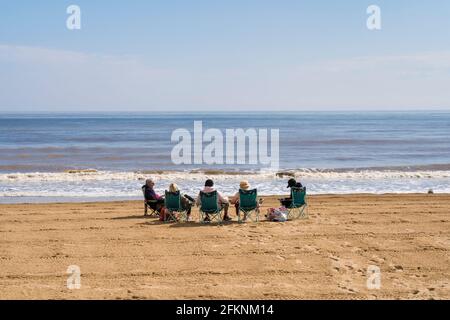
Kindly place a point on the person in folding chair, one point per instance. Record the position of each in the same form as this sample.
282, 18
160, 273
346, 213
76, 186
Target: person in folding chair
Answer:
178, 205
246, 201
298, 207
211, 203
152, 200
296, 203
292, 183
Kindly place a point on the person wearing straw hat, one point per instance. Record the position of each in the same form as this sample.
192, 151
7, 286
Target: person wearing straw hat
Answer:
243, 185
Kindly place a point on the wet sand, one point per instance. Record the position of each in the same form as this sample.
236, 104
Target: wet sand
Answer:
123, 255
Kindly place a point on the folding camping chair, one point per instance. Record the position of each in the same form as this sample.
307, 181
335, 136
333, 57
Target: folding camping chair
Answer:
150, 205
210, 206
248, 205
297, 209
172, 202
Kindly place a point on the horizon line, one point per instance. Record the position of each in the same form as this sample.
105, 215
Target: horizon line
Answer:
216, 111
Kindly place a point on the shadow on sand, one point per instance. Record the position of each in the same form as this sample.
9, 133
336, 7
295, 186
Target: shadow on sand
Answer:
135, 217
191, 224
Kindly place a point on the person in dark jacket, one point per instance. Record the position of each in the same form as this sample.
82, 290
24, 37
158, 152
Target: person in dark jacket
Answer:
151, 195
292, 183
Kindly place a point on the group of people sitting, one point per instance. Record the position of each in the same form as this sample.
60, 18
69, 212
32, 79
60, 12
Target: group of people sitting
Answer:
156, 201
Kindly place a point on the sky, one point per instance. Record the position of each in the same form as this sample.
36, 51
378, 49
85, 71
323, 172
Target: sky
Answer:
233, 55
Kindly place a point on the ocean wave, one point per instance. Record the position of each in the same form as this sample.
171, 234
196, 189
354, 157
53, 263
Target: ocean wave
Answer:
354, 174
91, 184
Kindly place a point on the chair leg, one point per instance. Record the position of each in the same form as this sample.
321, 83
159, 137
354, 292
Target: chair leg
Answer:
241, 220
182, 216
171, 217
202, 217
299, 212
293, 214
256, 213
217, 216
304, 212
154, 213
247, 216
212, 216
252, 215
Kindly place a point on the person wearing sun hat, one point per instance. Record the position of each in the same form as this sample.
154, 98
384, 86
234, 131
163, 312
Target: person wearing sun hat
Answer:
243, 185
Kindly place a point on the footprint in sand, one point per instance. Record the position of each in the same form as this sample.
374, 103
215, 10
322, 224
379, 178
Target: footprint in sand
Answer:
346, 245
333, 257
347, 270
356, 250
395, 268
346, 286
377, 260
399, 283
344, 265
310, 248
428, 293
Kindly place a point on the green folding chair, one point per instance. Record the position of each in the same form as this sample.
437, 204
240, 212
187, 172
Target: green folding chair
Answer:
297, 209
248, 205
210, 206
176, 212
150, 205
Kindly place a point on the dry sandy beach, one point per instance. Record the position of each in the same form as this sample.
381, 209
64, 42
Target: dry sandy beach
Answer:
123, 255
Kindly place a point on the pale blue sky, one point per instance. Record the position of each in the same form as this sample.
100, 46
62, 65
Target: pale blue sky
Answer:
226, 55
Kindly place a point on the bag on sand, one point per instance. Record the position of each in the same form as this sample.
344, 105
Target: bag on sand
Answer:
277, 214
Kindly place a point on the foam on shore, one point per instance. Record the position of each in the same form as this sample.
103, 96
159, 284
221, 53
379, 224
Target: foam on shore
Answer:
126, 185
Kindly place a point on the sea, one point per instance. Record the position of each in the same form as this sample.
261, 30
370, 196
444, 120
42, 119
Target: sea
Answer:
107, 157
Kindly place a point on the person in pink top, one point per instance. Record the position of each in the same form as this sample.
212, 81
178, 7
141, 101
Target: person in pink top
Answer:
223, 201
151, 195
